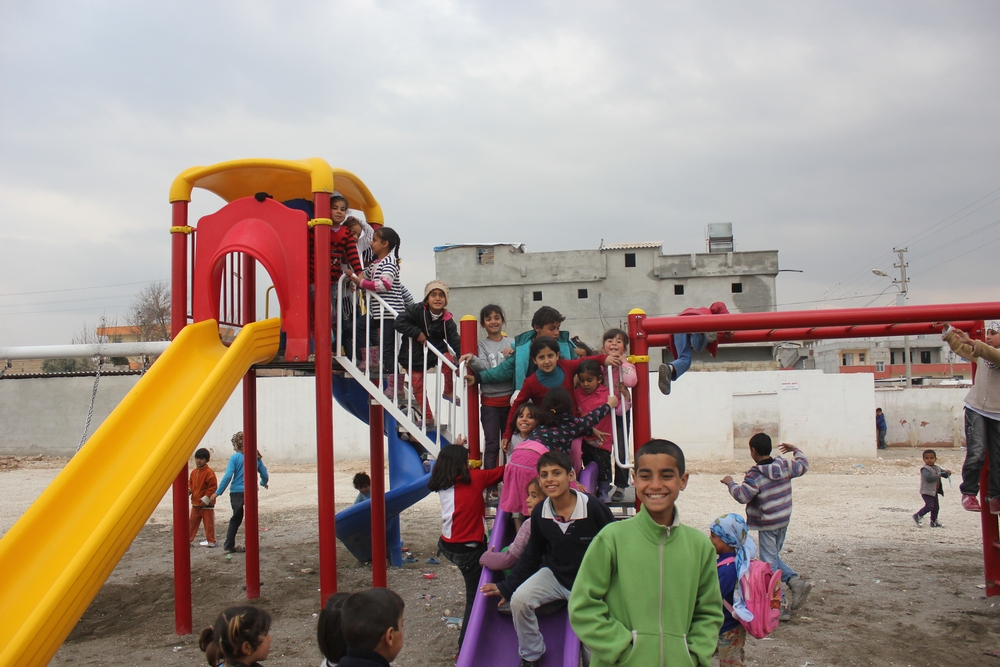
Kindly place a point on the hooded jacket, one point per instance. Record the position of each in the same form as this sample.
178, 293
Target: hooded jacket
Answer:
767, 491
519, 365
416, 319
648, 595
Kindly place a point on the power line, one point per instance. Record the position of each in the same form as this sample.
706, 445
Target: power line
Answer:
961, 255
78, 289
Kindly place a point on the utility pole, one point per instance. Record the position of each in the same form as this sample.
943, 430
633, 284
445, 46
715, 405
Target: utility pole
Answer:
901, 301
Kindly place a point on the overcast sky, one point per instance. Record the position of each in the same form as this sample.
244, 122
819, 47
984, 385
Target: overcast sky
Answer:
827, 131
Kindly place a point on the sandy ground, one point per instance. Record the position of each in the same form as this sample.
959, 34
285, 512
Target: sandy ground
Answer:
887, 592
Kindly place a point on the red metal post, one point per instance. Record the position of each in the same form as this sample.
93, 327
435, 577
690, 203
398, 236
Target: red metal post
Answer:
178, 320
639, 345
377, 434
989, 522
250, 495
324, 401
642, 428
470, 345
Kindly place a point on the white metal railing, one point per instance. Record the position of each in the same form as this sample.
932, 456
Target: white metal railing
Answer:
625, 461
394, 390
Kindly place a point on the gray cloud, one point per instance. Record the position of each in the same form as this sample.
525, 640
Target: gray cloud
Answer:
830, 132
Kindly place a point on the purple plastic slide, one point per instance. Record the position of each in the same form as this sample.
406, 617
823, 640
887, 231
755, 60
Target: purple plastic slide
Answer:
490, 639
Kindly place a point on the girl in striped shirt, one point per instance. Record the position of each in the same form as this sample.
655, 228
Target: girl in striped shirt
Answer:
382, 278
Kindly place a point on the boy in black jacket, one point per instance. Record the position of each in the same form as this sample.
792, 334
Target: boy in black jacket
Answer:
562, 527
427, 323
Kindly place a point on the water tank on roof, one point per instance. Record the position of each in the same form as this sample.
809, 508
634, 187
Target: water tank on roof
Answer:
719, 236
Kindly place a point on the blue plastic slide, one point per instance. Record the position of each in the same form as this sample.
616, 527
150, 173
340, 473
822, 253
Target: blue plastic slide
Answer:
407, 482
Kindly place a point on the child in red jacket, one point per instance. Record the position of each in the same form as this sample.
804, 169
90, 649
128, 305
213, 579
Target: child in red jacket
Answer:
552, 372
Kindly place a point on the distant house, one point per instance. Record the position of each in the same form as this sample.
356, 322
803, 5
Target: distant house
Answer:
595, 289
931, 359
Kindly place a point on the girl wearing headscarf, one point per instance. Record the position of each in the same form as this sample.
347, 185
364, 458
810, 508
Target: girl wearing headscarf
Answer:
736, 548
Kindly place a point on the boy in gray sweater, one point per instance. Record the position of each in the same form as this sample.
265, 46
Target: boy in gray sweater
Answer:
930, 487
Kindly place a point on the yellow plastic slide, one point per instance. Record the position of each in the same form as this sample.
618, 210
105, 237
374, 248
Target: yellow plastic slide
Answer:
55, 559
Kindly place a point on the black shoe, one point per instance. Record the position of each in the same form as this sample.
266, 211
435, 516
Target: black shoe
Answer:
529, 663
663, 383
617, 496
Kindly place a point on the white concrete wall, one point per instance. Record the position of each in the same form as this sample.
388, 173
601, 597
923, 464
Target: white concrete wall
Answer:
709, 414
923, 416
47, 416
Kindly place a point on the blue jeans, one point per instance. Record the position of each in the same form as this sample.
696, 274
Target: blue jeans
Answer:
686, 345
771, 542
982, 439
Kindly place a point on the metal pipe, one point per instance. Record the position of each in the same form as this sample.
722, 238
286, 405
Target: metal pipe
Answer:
248, 307
470, 345
84, 351
179, 232
377, 455
324, 402
822, 333
822, 318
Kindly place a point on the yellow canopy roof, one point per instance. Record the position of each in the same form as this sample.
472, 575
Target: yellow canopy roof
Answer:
282, 179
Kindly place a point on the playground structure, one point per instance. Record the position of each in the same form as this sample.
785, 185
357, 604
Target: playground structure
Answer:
62, 549
59, 553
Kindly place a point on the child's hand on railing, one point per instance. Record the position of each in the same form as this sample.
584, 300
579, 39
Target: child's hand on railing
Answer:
470, 379
613, 360
465, 358
612, 401
461, 439
421, 338
505, 446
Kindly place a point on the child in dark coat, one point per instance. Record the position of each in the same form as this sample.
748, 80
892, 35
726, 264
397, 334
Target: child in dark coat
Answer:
427, 323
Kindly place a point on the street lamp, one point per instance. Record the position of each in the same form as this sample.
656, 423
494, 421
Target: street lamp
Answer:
901, 301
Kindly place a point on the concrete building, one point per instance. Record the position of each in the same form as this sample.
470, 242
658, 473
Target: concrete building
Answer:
595, 289
931, 359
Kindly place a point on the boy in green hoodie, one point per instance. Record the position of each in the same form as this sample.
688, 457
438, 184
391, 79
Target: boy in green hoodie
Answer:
647, 592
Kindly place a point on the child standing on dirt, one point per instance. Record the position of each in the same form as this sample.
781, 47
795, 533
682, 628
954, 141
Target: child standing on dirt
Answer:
623, 379
647, 592
201, 485
363, 483
427, 324
930, 487
767, 493
463, 531
591, 394
736, 549
241, 636
234, 473
495, 401
562, 527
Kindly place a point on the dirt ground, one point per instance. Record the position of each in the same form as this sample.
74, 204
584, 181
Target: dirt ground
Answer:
886, 592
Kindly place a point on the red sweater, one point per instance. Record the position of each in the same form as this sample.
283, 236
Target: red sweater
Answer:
535, 391
343, 248
463, 507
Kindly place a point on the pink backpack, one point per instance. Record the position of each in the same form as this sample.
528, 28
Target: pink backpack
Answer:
762, 595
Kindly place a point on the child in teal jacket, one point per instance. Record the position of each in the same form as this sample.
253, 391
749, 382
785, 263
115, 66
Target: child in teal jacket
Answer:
647, 592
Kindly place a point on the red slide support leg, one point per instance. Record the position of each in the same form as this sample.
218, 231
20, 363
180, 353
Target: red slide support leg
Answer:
178, 320
250, 488
380, 578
